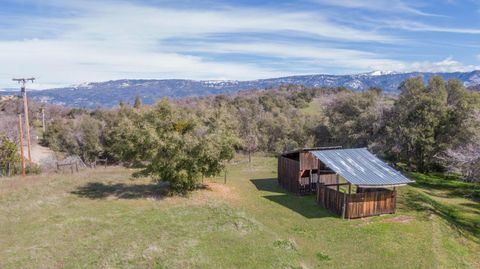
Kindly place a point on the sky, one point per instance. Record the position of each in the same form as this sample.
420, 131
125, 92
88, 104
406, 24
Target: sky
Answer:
62, 42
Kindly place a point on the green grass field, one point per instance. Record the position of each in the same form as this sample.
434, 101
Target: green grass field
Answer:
103, 219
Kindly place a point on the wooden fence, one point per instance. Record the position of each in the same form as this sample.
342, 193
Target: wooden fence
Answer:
71, 165
371, 203
356, 205
330, 198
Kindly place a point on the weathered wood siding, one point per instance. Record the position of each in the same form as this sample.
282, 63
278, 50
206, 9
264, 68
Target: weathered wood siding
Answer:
328, 178
289, 174
357, 205
371, 203
308, 183
308, 161
330, 198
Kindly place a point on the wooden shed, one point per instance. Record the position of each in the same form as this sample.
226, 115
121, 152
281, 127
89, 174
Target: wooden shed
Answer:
350, 182
299, 171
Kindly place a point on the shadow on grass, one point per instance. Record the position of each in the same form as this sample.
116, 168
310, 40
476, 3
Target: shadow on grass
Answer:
419, 201
97, 190
303, 205
267, 184
472, 205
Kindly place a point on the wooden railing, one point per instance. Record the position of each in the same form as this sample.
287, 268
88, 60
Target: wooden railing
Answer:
330, 198
371, 203
356, 205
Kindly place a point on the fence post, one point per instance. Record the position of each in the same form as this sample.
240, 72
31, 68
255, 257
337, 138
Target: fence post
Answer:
348, 200
344, 204
338, 182
323, 194
394, 200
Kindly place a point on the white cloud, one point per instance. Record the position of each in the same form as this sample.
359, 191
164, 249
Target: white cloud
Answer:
446, 65
121, 40
347, 59
390, 6
420, 27
66, 62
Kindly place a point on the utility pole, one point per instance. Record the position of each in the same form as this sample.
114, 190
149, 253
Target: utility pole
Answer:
20, 129
43, 119
23, 82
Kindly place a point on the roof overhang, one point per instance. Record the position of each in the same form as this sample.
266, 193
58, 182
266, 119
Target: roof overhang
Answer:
380, 186
310, 149
362, 168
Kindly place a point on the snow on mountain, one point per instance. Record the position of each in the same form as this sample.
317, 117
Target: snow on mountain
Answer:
110, 93
380, 73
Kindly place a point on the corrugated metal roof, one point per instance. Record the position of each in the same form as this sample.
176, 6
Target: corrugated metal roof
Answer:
310, 149
360, 167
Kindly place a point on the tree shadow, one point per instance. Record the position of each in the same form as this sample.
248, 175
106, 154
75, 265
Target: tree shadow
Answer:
303, 205
98, 190
267, 184
472, 205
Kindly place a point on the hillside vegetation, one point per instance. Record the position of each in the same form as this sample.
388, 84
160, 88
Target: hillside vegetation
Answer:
164, 207
428, 127
102, 219
109, 93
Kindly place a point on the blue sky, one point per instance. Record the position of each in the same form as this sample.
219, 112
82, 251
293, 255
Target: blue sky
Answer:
65, 42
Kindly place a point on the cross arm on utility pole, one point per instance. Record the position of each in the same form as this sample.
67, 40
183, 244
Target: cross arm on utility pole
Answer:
23, 80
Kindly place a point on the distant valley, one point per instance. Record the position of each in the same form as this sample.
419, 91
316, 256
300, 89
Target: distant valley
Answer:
110, 93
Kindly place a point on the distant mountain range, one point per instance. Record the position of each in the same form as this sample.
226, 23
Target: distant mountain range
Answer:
110, 93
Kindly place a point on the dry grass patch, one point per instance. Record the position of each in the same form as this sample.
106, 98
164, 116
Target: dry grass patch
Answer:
399, 219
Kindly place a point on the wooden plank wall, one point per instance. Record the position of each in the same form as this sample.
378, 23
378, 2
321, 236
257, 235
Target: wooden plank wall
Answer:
308, 161
288, 174
328, 179
371, 203
308, 184
358, 205
330, 199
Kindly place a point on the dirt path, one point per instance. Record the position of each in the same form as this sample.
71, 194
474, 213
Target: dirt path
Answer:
40, 155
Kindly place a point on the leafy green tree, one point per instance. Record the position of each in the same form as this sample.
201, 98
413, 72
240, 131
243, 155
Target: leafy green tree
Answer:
88, 133
60, 136
171, 146
355, 119
8, 152
81, 135
428, 119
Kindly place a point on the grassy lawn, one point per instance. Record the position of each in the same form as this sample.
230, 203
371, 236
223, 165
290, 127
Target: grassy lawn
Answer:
102, 219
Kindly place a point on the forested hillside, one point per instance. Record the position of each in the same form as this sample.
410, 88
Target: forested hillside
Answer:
109, 93
428, 127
